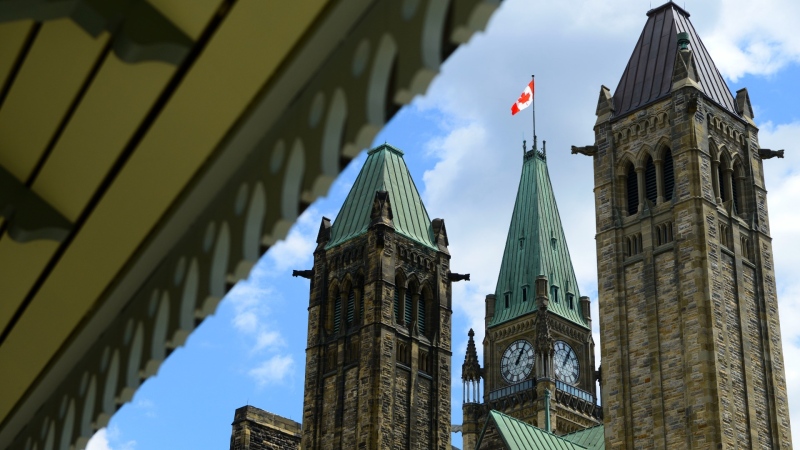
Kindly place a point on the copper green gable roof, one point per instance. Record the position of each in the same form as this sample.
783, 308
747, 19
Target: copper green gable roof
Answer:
536, 246
518, 435
592, 438
384, 170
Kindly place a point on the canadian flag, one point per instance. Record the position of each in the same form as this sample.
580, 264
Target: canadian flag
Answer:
524, 100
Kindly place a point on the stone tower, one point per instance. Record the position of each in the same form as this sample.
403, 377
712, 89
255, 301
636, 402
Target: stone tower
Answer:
256, 429
538, 327
378, 352
691, 343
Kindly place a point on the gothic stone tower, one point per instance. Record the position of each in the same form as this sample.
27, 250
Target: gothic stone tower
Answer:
691, 343
538, 327
379, 331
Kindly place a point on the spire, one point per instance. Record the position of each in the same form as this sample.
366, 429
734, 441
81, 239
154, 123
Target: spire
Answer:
535, 246
649, 74
383, 192
471, 369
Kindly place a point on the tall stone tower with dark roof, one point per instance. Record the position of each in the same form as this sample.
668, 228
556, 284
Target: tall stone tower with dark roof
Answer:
538, 341
378, 353
691, 343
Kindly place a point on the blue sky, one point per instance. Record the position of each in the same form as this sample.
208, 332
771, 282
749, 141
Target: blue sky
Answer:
463, 149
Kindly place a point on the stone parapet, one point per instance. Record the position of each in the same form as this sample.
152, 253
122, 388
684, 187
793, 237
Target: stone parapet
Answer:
256, 429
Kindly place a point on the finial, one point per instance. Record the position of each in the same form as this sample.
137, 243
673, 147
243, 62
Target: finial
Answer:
524, 149
471, 333
544, 148
683, 41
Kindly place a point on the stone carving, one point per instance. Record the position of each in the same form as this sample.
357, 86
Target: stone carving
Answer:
766, 153
307, 274
588, 150
457, 276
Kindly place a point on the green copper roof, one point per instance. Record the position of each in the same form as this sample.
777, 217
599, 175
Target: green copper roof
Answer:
518, 435
384, 170
591, 438
536, 246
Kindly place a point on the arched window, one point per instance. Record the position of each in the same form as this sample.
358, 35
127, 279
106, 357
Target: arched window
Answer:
650, 186
330, 309
738, 187
554, 293
632, 190
669, 175
337, 312
724, 175
723, 194
421, 314
351, 307
396, 304
399, 298
408, 308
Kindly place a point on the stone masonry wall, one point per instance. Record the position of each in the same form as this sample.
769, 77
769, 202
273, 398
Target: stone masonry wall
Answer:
735, 351
422, 416
256, 429
753, 337
639, 357
400, 409
350, 408
328, 422
672, 361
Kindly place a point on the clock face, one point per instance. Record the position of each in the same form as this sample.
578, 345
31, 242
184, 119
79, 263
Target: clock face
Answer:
566, 363
517, 361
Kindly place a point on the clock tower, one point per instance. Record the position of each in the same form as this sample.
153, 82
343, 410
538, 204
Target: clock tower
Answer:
538, 348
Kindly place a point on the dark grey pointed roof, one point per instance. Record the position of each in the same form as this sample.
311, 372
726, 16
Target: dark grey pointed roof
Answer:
648, 76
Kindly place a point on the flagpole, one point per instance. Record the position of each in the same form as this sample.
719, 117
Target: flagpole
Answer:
533, 107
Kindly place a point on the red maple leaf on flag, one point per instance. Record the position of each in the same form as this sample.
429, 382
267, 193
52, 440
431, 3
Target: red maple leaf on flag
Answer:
525, 99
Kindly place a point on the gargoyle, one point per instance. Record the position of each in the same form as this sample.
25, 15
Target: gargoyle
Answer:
588, 150
457, 276
766, 153
303, 273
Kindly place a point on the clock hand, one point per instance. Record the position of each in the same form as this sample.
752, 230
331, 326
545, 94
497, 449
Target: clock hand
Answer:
520, 356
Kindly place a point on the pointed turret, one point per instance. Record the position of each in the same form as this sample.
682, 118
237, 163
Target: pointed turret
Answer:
535, 246
385, 193
649, 74
471, 369
472, 410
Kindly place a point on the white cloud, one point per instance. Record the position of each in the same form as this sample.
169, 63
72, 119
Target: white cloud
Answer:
298, 247
268, 339
750, 37
252, 315
109, 439
273, 370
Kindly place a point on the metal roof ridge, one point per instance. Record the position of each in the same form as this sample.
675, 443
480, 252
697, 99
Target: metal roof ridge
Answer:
666, 5
386, 146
